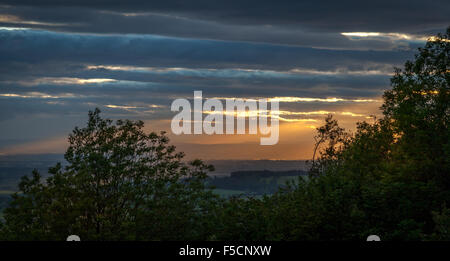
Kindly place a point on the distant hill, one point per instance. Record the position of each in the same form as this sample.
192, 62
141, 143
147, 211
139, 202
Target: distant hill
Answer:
226, 167
254, 182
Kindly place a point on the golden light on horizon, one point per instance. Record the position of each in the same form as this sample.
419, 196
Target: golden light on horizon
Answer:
296, 142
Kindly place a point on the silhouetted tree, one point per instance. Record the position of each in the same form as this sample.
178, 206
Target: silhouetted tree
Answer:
119, 183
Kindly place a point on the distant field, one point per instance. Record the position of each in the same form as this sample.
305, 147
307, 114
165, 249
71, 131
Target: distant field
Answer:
284, 179
281, 181
228, 192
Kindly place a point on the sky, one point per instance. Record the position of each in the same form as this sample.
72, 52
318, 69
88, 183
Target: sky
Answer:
131, 59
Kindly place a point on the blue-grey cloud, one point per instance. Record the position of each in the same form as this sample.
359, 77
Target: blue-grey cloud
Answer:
59, 59
314, 24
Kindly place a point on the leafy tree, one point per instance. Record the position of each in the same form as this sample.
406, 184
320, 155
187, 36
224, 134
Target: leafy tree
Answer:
389, 178
418, 108
119, 184
442, 221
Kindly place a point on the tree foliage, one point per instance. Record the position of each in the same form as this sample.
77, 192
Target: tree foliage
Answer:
120, 183
389, 178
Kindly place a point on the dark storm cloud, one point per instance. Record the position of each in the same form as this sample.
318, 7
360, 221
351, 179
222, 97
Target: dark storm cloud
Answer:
316, 24
37, 47
35, 61
325, 15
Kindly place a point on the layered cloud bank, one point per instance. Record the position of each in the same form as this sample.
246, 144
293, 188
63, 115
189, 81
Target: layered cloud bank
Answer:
60, 59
